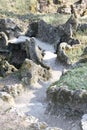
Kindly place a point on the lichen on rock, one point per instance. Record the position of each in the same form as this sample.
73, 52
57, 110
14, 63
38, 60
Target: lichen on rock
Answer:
31, 72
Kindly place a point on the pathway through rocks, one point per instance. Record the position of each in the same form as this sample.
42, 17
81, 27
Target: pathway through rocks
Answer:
33, 100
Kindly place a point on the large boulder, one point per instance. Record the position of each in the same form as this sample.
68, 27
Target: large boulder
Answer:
28, 49
36, 53
61, 53
10, 28
43, 31
47, 32
70, 53
69, 94
71, 102
54, 35
17, 53
31, 72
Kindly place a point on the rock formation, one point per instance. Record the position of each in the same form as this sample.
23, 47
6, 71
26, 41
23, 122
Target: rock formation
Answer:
31, 72
53, 35
7, 98
36, 53
28, 49
6, 68
32, 29
3, 40
13, 90
9, 28
80, 7
61, 53
72, 102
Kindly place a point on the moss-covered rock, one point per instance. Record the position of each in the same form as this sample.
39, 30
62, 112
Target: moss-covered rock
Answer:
70, 92
6, 68
31, 72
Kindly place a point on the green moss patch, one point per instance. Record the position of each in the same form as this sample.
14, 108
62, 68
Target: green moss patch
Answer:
76, 78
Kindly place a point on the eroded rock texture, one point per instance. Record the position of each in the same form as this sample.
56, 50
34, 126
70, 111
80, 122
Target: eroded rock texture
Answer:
80, 7
6, 68
28, 49
70, 53
71, 102
31, 72
51, 34
13, 90
10, 28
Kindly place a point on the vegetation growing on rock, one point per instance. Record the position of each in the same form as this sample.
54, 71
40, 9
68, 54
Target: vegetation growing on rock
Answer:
76, 78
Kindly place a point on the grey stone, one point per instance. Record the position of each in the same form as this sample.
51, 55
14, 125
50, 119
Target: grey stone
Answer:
61, 54
6, 68
27, 49
10, 28
72, 102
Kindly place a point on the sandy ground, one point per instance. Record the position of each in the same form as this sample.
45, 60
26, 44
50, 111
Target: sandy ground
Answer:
33, 101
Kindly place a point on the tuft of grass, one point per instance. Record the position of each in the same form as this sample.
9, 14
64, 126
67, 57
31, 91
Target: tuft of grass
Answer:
75, 78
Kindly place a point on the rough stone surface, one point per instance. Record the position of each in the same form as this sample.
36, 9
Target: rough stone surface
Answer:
18, 53
10, 28
61, 54
80, 7
6, 68
6, 97
31, 72
47, 32
32, 29
51, 34
66, 52
28, 49
72, 102
59, 34
14, 90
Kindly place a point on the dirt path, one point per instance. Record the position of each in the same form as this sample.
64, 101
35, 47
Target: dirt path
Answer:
33, 101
